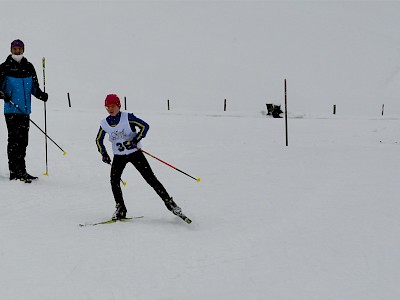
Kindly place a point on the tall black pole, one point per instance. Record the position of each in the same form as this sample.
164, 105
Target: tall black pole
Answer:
45, 113
286, 123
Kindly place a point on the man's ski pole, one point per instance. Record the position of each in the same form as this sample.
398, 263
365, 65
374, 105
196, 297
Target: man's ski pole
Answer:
65, 153
169, 165
45, 115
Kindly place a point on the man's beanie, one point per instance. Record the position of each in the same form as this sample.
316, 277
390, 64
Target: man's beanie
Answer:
112, 99
18, 43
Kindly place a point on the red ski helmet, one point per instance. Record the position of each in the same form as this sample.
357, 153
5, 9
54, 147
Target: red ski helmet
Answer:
112, 99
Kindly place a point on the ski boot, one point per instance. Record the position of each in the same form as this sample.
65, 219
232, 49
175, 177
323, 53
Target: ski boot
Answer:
30, 177
20, 177
172, 206
120, 213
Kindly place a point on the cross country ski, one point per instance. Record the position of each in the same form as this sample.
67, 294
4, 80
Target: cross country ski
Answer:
110, 221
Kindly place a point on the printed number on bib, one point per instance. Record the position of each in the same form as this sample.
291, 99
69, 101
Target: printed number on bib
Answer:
126, 145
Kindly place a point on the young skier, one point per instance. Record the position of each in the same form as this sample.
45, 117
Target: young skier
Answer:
125, 131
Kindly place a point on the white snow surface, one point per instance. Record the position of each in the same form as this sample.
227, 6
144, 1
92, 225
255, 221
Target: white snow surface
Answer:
317, 219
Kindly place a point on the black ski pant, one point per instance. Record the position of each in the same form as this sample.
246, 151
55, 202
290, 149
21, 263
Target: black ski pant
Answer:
18, 132
140, 162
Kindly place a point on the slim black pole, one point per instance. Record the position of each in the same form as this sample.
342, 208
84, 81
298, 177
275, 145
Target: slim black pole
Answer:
286, 122
45, 114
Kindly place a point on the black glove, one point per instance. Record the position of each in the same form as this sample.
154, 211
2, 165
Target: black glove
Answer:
135, 141
5, 97
43, 96
106, 159
131, 144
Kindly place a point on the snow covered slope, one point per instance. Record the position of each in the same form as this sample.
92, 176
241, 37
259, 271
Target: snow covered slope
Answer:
315, 220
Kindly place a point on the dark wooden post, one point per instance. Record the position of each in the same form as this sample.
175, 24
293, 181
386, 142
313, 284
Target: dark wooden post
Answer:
286, 123
69, 100
334, 109
225, 105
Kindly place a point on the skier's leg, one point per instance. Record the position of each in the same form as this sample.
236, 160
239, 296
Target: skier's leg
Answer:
117, 167
18, 130
142, 165
24, 134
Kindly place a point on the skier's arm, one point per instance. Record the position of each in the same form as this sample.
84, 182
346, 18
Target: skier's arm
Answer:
100, 146
2, 79
142, 126
36, 91
3, 94
99, 141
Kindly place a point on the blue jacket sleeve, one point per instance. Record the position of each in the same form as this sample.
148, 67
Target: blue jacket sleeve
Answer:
99, 141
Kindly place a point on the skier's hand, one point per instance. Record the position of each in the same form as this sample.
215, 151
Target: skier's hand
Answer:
131, 144
5, 97
106, 159
44, 97
135, 140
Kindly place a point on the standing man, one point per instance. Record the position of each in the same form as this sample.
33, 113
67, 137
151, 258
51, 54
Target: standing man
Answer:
18, 81
125, 131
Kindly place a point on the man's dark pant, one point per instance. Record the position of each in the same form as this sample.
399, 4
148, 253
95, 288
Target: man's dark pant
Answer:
142, 165
18, 132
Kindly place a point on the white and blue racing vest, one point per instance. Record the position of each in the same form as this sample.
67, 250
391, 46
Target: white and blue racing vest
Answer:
120, 134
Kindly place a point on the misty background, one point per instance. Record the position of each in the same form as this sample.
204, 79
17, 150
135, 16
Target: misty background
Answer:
198, 53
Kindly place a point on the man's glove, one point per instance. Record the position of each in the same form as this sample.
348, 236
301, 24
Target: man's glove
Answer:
131, 144
106, 159
135, 141
43, 96
5, 97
